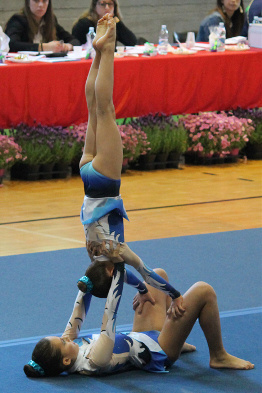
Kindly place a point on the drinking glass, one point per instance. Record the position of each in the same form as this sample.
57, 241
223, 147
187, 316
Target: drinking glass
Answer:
77, 51
120, 50
190, 39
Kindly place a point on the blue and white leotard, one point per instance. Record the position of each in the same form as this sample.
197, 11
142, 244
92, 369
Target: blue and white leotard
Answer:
103, 210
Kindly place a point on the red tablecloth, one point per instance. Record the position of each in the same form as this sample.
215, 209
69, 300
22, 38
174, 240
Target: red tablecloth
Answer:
53, 94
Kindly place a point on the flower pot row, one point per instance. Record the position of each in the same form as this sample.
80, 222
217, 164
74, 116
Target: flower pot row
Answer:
150, 161
31, 172
194, 158
148, 142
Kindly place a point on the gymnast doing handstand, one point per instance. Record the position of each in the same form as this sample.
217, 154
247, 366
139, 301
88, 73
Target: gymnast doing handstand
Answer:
103, 211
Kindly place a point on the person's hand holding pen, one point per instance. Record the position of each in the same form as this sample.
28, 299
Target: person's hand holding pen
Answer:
55, 46
66, 47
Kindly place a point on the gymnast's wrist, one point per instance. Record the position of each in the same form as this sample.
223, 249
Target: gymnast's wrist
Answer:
143, 291
120, 266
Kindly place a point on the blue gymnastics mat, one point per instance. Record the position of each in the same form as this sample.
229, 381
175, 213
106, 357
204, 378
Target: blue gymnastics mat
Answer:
190, 374
38, 291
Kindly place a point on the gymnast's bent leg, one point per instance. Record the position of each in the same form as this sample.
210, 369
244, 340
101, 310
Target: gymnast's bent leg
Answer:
200, 302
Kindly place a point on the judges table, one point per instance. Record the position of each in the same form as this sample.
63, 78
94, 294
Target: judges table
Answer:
53, 94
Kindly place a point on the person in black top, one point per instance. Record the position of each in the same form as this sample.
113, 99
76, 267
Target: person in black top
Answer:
254, 8
35, 28
97, 9
231, 13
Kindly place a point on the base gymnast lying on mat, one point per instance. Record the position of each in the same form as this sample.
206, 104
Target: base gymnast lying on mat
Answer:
155, 343
160, 329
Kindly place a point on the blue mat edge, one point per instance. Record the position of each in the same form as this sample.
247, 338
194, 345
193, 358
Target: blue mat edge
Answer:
122, 328
144, 241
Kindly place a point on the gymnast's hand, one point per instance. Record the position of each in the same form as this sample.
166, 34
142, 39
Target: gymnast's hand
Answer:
140, 299
112, 253
93, 249
176, 310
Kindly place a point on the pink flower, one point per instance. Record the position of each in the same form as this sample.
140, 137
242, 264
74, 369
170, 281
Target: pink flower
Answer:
9, 151
217, 132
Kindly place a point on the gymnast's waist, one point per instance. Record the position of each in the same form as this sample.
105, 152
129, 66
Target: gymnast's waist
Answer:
97, 185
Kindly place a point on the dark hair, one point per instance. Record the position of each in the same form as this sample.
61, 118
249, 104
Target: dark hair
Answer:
233, 25
48, 357
100, 278
48, 30
92, 14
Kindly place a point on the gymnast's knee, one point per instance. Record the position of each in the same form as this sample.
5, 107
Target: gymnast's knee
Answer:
206, 290
161, 272
105, 108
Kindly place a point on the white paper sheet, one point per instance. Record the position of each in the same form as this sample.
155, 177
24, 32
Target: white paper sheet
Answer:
138, 49
33, 53
56, 59
235, 40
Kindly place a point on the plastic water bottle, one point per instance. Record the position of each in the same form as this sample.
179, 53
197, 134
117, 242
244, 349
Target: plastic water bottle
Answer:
163, 41
221, 37
89, 41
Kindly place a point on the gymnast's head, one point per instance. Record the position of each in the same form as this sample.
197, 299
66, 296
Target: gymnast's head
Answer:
99, 8
97, 279
98, 276
51, 356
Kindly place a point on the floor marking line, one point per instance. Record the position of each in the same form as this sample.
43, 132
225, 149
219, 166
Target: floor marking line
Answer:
140, 209
46, 235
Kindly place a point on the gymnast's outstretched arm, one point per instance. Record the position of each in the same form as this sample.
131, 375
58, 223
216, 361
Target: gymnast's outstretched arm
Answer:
83, 300
80, 309
102, 351
123, 253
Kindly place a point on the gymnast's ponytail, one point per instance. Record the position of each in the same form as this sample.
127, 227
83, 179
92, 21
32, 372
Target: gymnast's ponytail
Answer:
31, 371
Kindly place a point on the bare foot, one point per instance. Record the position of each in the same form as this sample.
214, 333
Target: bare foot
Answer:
107, 41
229, 361
188, 348
100, 29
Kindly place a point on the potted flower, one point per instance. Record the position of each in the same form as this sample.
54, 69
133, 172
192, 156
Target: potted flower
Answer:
236, 132
79, 133
254, 146
10, 152
37, 143
177, 140
64, 149
156, 126
216, 134
165, 136
134, 143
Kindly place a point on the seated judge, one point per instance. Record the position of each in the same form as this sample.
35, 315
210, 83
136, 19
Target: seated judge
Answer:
230, 12
35, 28
96, 11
